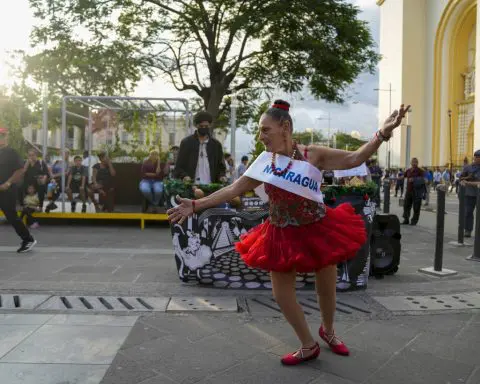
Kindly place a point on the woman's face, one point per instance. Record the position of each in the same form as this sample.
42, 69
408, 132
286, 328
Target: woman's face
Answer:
32, 156
273, 134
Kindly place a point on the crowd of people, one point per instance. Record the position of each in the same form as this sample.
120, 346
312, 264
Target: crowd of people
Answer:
90, 179
85, 179
416, 183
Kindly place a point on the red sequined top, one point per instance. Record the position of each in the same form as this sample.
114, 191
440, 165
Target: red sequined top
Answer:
287, 208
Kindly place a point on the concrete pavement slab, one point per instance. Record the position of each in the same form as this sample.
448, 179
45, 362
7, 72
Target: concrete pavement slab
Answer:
420, 368
51, 373
69, 344
12, 335
93, 320
259, 368
23, 319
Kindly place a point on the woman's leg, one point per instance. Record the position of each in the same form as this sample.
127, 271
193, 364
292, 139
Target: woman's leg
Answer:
284, 292
157, 192
146, 189
326, 287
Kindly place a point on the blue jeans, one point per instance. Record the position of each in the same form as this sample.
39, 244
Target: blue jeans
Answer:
152, 190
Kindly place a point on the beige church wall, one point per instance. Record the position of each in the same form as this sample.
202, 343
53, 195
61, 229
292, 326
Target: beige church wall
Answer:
450, 56
476, 126
435, 9
414, 73
390, 70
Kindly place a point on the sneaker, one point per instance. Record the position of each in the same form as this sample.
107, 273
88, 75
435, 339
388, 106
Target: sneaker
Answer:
34, 226
27, 246
467, 234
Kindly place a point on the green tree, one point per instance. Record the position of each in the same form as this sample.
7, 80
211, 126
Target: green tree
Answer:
306, 137
212, 47
14, 115
345, 141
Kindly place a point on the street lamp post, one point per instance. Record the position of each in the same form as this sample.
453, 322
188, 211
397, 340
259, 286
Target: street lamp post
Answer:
328, 133
233, 124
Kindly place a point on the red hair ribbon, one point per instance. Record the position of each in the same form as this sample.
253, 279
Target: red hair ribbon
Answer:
281, 106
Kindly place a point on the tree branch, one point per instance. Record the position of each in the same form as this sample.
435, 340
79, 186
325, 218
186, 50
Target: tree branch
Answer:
189, 21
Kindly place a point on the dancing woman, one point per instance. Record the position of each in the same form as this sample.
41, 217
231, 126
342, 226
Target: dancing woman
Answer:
301, 234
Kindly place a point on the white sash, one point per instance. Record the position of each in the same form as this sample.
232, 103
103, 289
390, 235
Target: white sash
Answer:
302, 179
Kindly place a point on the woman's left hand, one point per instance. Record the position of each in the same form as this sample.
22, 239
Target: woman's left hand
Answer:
394, 120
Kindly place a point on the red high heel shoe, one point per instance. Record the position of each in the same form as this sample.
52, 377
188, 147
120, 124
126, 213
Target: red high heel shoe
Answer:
339, 347
291, 359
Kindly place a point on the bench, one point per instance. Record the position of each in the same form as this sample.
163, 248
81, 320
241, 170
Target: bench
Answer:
142, 217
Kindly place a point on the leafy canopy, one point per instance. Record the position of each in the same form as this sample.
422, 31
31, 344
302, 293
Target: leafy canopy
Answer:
210, 47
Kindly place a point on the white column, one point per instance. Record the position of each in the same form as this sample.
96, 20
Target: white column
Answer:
476, 134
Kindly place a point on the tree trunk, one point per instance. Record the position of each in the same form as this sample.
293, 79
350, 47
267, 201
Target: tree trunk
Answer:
212, 104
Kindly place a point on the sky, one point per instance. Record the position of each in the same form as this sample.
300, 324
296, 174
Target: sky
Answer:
359, 114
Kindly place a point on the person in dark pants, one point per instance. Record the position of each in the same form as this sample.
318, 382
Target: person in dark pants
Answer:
11, 172
415, 193
400, 182
470, 179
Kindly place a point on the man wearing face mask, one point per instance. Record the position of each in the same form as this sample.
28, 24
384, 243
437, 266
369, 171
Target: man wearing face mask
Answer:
200, 157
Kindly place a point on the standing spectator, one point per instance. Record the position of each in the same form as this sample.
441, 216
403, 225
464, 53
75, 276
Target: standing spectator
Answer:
37, 174
229, 168
456, 180
200, 157
76, 183
11, 172
437, 178
429, 182
414, 194
151, 185
446, 178
470, 178
31, 204
242, 167
376, 174
400, 182
54, 188
89, 160
102, 182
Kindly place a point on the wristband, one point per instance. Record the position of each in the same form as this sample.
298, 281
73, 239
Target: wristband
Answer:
381, 137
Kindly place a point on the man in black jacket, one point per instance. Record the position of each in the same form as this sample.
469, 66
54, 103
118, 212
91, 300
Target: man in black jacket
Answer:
11, 173
200, 157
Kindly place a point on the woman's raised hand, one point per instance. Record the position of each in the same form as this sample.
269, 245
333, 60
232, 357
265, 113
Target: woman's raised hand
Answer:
394, 120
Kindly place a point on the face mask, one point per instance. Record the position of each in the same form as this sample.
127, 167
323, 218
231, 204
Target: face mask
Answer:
203, 131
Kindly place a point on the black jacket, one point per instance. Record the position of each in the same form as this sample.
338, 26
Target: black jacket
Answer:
187, 158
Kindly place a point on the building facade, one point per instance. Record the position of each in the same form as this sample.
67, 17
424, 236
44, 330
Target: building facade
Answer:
429, 55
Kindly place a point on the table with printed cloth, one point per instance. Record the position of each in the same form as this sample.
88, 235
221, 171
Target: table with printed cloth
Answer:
204, 245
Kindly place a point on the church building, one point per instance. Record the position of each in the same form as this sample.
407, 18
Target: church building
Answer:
429, 55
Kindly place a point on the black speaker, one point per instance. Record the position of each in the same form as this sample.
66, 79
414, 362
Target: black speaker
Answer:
385, 246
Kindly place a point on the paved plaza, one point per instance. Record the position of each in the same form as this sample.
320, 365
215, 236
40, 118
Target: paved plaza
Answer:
232, 336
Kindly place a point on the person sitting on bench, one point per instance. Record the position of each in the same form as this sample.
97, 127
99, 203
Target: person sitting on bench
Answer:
102, 182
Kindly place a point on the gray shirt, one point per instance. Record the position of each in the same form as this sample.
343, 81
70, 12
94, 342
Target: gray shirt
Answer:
471, 173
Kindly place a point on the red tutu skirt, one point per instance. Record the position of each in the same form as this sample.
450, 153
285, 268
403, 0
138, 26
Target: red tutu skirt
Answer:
305, 248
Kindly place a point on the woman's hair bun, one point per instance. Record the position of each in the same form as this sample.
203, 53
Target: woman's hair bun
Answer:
281, 104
